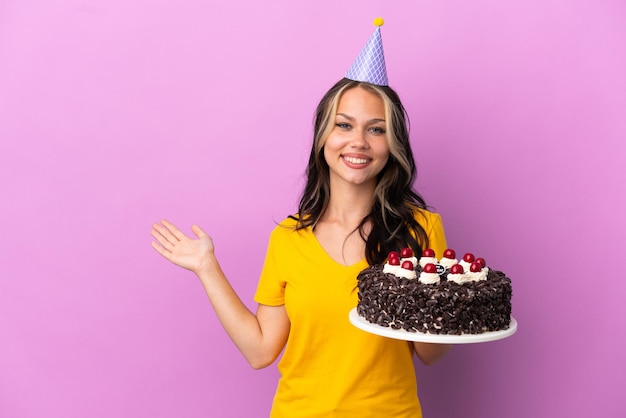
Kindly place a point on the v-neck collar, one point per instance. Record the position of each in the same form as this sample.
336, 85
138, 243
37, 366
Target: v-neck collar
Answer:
361, 263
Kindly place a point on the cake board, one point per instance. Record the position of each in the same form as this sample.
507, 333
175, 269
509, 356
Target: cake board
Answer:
401, 334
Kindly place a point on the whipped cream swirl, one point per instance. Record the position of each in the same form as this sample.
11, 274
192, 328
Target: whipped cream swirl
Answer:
459, 278
465, 264
398, 271
478, 276
428, 260
429, 278
448, 262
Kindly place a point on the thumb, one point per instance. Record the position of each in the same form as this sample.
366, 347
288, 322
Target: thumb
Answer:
198, 231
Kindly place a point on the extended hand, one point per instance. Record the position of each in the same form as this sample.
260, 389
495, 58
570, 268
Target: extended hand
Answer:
188, 253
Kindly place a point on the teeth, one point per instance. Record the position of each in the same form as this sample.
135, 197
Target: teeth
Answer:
355, 160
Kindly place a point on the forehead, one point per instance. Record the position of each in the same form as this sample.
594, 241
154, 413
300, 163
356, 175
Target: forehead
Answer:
360, 102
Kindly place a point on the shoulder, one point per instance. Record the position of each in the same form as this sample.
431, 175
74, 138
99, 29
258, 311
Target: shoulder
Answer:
433, 226
286, 237
286, 228
290, 222
426, 218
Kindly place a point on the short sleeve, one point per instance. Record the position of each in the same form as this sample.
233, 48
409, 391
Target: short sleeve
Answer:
271, 289
436, 234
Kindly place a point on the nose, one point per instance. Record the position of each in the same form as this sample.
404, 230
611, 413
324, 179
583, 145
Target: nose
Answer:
359, 139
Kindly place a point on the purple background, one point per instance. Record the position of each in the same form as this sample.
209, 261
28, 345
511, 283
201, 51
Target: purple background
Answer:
116, 113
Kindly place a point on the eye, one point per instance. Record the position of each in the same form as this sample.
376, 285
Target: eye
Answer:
377, 130
343, 125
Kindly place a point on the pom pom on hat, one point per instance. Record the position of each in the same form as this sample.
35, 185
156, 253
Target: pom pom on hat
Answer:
369, 66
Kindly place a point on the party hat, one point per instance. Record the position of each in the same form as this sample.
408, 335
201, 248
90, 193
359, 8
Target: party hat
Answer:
369, 67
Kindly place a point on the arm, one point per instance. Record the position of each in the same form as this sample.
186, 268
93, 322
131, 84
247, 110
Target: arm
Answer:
260, 337
429, 353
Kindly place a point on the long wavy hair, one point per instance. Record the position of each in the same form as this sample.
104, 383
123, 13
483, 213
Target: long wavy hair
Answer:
392, 218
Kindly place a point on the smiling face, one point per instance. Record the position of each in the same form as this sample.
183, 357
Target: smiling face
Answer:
356, 149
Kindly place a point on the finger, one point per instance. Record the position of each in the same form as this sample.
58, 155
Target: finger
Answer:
163, 241
161, 250
198, 231
173, 230
166, 232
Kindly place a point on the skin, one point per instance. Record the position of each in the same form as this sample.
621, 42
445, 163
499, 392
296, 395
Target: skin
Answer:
356, 151
259, 336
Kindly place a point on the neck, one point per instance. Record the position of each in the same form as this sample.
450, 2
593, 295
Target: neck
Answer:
349, 204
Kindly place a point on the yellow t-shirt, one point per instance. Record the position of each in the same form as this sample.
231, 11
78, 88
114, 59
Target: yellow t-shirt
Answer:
329, 368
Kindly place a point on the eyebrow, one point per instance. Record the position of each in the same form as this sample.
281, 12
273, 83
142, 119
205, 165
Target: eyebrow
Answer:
350, 118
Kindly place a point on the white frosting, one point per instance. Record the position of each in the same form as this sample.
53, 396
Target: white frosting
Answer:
398, 271
413, 260
465, 265
478, 276
458, 278
407, 274
426, 260
448, 262
388, 268
429, 278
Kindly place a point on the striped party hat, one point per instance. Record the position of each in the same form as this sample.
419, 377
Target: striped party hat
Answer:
369, 67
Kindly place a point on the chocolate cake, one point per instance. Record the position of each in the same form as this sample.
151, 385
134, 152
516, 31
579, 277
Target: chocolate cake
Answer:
436, 297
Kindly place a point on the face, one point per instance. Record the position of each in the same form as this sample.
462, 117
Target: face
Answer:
356, 149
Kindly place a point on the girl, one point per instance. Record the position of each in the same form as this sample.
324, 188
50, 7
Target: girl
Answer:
358, 204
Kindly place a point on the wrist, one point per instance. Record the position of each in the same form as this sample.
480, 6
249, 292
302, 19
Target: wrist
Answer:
207, 268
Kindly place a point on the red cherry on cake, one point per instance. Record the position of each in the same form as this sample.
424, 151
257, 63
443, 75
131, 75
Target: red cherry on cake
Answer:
428, 252
449, 253
481, 261
407, 265
393, 254
406, 253
475, 267
430, 268
394, 261
457, 269
468, 258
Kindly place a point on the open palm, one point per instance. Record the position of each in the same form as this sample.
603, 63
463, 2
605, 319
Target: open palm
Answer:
186, 252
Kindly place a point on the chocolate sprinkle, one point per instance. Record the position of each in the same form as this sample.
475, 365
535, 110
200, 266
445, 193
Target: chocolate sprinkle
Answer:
443, 308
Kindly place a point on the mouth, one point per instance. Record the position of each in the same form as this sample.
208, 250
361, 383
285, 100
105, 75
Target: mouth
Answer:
356, 160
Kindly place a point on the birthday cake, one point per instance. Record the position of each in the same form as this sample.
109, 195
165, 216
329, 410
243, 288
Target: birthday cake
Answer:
436, 296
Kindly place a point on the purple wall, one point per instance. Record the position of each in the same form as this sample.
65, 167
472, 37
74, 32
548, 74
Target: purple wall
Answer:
114, 114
